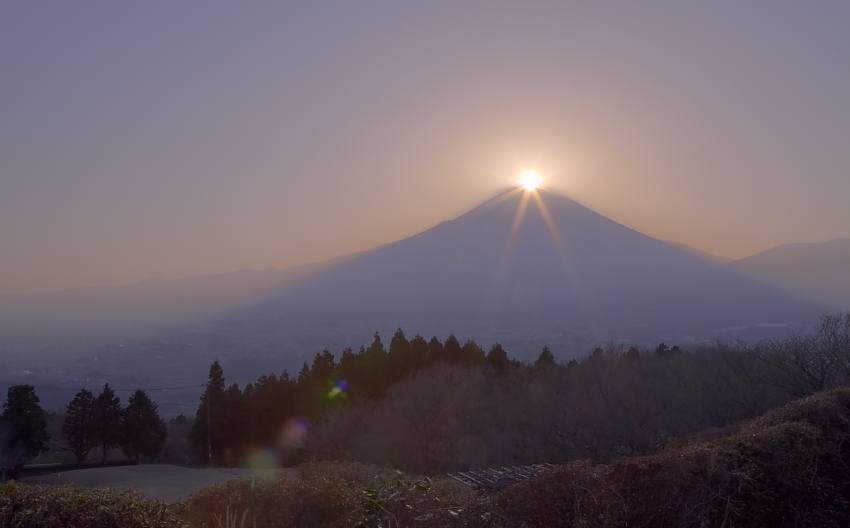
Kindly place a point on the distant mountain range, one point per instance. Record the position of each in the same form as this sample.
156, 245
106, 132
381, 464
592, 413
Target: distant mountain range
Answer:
819, 272
524, 268
157, 300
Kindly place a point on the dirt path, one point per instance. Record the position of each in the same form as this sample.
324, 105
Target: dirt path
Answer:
169, 483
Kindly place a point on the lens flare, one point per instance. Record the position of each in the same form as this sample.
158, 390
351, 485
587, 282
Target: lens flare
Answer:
293, 432
338, 389
263, 459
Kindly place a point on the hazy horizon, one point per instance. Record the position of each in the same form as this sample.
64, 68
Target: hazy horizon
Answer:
174, 140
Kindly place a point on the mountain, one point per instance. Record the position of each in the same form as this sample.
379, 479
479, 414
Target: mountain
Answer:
700, 253
506, 252
525, 264
816, 271
162, 300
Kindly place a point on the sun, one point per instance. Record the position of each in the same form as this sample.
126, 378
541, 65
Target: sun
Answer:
530, 180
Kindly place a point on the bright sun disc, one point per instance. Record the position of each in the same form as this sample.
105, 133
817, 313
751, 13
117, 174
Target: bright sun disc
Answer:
530, 180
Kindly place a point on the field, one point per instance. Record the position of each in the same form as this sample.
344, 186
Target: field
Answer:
167, 483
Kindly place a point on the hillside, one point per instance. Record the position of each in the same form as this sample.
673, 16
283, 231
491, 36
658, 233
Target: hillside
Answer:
816, 271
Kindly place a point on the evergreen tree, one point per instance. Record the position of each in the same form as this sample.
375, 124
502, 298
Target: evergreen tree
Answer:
24, 420
497, 358
374, 369
268, 405
79, 428
233, 420
143, 431
107, 420
435, 351
471, 354
206, 435
451, 350
399, 360
348, 365
546, 359
314, 384
324, 367
418, 353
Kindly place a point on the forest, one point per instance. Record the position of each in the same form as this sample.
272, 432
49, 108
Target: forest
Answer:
431, 407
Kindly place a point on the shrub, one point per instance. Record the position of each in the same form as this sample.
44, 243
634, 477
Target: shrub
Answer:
404, 501
67, 507
787, 468
331, 494
352, 472
277, 502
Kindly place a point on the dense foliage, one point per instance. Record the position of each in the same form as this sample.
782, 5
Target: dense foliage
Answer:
430, 407
107, 420
788, 468
240, 421
23, 506
78, 429
334, 494
143, 433
23, 429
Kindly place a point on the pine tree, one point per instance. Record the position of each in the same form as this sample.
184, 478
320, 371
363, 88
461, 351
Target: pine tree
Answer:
143, 431
451, 350
497, 358
206, 434
79, 428
24, 419
107, 420
399, 360
471, 354
545, 359
374, 369
435, 351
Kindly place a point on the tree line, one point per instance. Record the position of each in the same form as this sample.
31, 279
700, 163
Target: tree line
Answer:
91, 422
230, 422
431, 406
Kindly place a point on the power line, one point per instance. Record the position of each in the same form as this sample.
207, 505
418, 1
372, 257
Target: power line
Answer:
10, 383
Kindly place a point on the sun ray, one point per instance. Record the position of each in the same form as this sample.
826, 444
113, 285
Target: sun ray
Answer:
553, 228
587, 304
502, 265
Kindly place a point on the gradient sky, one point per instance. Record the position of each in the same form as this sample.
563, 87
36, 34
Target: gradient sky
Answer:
169, 139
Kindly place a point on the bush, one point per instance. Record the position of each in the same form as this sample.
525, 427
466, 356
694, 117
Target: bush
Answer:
787, 468
341, 494
67, 507
277, 502
354, 473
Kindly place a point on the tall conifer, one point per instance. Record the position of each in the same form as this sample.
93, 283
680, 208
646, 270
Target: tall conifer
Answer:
107, 420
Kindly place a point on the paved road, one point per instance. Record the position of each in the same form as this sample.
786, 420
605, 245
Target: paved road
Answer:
168, 483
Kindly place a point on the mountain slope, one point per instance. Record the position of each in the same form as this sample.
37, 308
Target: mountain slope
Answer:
155, 300
474, 260
513, 254
522, 266
700, 253
817, 271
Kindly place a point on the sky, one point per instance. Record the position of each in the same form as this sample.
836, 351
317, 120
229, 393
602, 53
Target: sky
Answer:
172, 139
